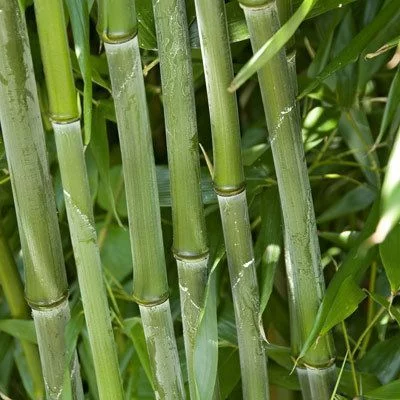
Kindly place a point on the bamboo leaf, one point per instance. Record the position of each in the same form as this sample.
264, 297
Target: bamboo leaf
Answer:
384, 302
19, 328
351, 52
348, 296
228, 370
383, 360
272, 243
355, 130
391, 391
205, 357
390, 213
390, 254
72, 332
273, 45
100, 151
146, 27
386, 47
391, 105
79, 16
134, 330
351, 270
356, 200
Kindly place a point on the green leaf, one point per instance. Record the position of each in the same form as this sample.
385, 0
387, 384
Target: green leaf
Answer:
74, 328
100, 151
357, 199
205, 355
134, 330
390, 254
359, 43
345, 240
355, 130
386, 47
79, 17
346, 78
116, 253
270, 243
237, 27
281, 377
392, 105
383, 360
273, 45
228, 370
348, 296
336, 299
391, 391
164, 192
146, 27
20, 329
390, 213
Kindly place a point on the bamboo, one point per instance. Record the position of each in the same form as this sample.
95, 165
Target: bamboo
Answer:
306, 283
65, 121
229, 183
189, 238
14, 294
150, 288
45, 279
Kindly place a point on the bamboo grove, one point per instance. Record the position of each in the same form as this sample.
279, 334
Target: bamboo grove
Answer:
199, 199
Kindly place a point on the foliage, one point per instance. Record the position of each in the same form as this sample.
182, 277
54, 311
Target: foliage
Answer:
351, 115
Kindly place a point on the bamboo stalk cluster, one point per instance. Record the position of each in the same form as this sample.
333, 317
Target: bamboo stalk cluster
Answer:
46, 285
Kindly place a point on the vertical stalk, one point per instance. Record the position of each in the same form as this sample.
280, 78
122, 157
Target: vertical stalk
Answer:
45, 279
229, 183
118, 29
189, 241
14, 294
65, 120
306, 283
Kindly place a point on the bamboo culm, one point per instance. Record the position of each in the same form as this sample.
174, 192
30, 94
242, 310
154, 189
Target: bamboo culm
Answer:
189, 233
150, 288
45, 278
306, 283
229, 183
70, 152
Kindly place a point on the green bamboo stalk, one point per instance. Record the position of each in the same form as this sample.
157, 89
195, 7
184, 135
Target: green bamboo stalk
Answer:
189, 239
65, 121
306, 283
45, 278
229, 183
150, 288
14, 294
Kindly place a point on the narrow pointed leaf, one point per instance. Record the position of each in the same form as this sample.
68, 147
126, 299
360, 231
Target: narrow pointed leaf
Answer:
352, 269
390, 254
79, 16
19, 328
390, 213
273, 45
355, 130
359, 43
391, 391
100, 150
356, 200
